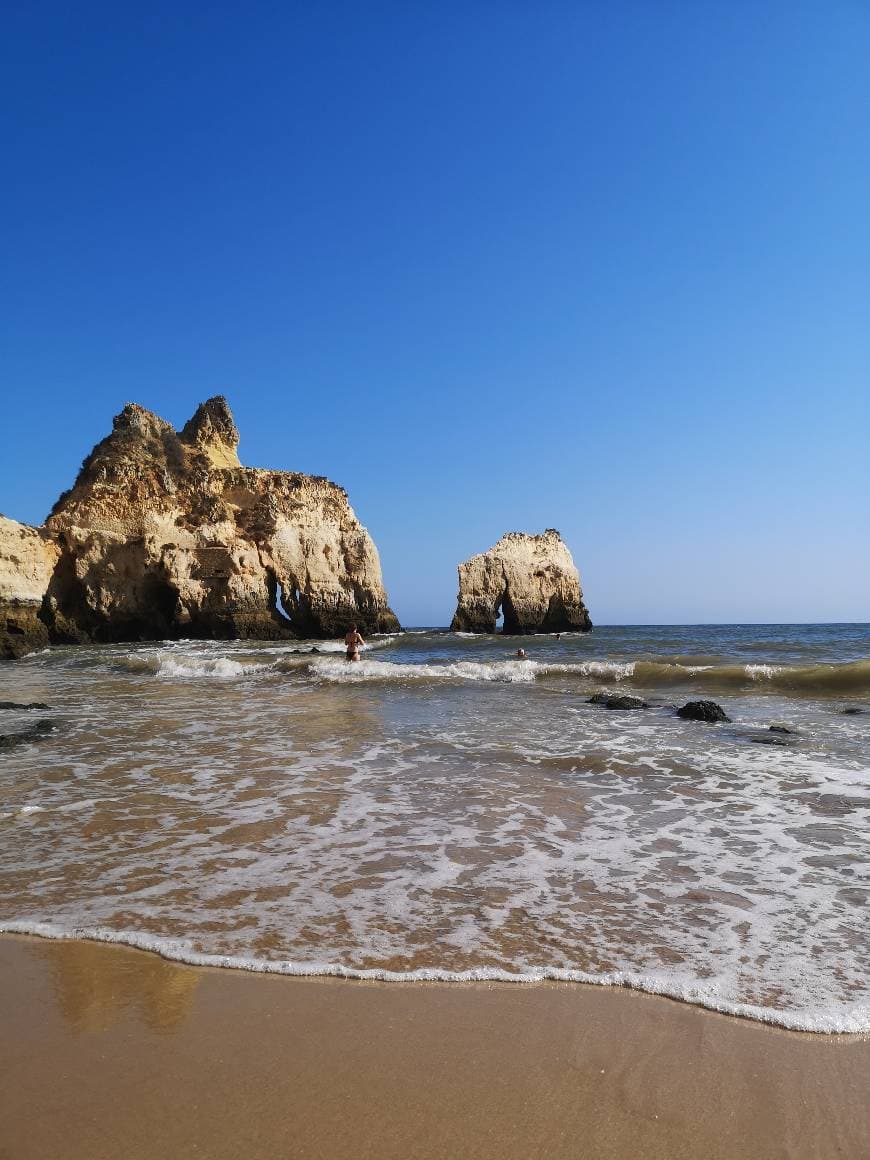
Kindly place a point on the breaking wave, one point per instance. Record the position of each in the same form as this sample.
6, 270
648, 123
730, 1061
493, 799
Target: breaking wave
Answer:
850, 678
510, 672
178, 662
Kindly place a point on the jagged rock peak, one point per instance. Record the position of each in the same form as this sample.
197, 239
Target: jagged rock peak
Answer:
139, 421
530, 579
214, 431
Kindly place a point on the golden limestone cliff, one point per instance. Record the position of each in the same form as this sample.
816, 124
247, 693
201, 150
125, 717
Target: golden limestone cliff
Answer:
28, 557
531, 580
165, 534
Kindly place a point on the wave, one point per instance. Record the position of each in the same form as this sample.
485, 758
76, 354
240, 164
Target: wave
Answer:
174, 661
852, 1018
845, 678
510, 672
850, 678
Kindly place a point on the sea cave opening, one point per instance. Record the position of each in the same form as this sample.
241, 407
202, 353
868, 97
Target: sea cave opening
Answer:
507, 621
279, 604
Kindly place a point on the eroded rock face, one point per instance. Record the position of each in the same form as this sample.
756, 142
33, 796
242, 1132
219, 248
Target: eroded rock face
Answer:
28, 557
166, 534
531, 579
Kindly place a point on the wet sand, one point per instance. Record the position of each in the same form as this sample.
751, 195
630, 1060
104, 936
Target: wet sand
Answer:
108, 1053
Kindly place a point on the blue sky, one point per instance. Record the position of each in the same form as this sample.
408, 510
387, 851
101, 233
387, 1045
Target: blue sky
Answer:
490, 266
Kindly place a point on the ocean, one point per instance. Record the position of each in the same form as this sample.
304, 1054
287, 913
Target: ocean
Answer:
444, 810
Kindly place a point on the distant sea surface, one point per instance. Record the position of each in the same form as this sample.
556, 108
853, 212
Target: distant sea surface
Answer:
444, 810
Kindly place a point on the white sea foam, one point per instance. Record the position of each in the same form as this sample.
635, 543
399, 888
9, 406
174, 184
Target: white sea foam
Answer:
515, 671
221, 667
487, 824
603, 670
831, 1020
186, 660
510, 672
21, 812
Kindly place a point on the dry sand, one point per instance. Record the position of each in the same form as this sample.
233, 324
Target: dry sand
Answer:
111, 1053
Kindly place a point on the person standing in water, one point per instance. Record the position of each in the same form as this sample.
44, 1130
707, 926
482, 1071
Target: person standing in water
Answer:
353, 642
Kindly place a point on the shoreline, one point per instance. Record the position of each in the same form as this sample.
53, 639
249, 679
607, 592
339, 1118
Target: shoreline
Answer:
673, 992
114, 1051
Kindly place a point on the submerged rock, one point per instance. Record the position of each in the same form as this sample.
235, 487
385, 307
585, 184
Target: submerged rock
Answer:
166, 534
782, 729
618, 701
531, 580
34, 733
23, 705
766, 739
702, 711
852, 711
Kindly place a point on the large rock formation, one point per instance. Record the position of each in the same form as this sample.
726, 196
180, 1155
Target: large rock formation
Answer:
530, 579
165, 534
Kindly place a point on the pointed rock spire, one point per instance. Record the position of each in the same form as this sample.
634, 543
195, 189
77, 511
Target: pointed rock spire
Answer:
212, 430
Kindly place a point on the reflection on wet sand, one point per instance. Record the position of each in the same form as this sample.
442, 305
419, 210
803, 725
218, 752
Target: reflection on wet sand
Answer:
96, 990
264, 1068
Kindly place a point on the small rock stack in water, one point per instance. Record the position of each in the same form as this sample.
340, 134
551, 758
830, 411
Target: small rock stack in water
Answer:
531, 580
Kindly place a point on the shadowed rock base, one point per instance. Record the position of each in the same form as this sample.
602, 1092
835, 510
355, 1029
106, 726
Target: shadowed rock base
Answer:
21, 630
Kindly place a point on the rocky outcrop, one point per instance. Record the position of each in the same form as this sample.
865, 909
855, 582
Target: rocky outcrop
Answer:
531, 580
166, 534
28, 557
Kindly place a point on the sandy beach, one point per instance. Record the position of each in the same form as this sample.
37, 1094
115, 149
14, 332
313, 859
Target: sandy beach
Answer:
109, 1052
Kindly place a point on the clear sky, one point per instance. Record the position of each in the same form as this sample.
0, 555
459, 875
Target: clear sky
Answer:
603, 267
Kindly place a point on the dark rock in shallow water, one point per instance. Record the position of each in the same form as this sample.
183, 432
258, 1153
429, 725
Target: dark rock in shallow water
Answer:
618, 701
766, 740
707, 711
626, 702
37, 731
852, 711
23, 705
782, 729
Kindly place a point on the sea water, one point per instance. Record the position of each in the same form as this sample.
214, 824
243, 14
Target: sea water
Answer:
445, 810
